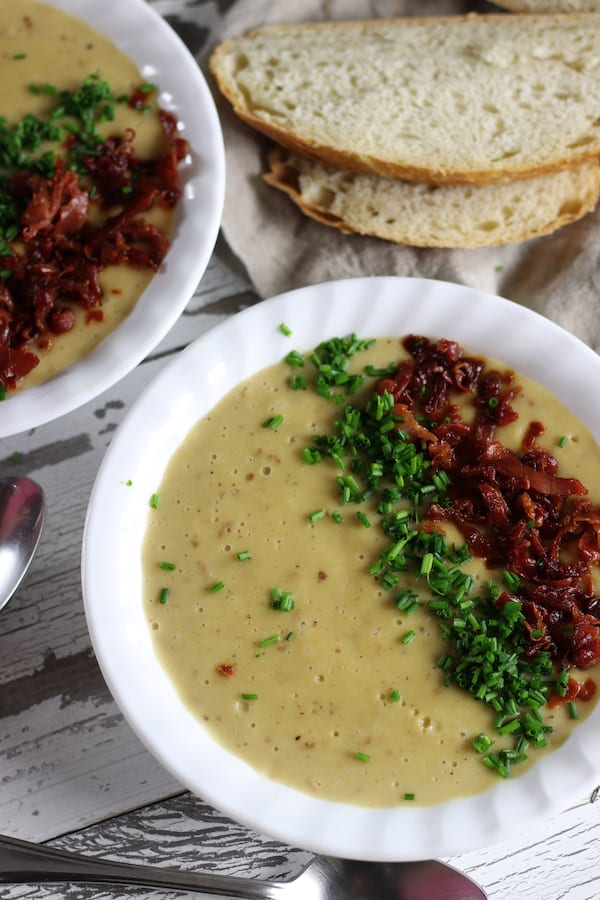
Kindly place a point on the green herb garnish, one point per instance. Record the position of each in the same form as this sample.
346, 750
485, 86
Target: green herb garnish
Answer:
216, 587
273, 422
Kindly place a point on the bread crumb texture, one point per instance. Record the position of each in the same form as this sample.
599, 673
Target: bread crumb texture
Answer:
436, 215
475, 98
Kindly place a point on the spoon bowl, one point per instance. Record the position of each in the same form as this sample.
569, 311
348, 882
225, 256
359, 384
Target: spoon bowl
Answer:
324, 878
22, 507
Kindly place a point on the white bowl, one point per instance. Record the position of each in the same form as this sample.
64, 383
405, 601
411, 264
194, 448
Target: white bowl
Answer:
162, 58
112, 573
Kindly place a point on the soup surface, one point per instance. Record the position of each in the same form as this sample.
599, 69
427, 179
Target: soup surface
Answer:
341, 696
43, 46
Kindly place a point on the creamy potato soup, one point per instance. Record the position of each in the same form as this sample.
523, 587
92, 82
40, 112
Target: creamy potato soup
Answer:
40, 45
340, 696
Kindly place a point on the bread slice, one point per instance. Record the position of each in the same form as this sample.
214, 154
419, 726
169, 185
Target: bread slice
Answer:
436, 216
550, 6
444, 99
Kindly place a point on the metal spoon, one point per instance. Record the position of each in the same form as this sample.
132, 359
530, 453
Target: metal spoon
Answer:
21, 519
322, 879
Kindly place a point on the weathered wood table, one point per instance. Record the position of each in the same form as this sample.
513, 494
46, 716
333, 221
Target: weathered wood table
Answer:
71, 771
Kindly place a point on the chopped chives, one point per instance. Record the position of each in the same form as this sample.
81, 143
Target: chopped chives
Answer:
155, 501
562, 682
521, 745
409, 796
287, 603
285, 330
407, 601
374, 372
362, 757
378, 461
289, 636
249, 696
298, 383
294, 359
311, 456
273, 422
167, 566
510, 726
337, 517
316, 515
266, 642
572, 710
216, 587
482, 743
282, 600
512, 581
164, 595
244, 554
563, 441
426, 564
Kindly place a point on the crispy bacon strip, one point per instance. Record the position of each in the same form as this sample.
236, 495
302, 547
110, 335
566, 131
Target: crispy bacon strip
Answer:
507, 463
58, 205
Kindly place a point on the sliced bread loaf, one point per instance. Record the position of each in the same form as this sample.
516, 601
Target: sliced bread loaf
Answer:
436, 216
444, 99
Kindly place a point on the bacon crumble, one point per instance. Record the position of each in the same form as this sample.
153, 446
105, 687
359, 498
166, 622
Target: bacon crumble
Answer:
59, 255
513, 510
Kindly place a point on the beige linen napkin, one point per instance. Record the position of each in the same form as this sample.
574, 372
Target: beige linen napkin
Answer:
557, 275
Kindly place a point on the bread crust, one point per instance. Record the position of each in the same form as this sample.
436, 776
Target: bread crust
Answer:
344, 160
348, 159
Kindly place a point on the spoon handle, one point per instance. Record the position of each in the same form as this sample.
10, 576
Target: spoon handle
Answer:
25, 862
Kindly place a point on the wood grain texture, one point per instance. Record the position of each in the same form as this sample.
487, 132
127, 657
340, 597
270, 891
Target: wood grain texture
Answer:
71, 770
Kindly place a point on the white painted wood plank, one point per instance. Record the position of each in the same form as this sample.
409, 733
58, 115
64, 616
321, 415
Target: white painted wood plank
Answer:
555, 861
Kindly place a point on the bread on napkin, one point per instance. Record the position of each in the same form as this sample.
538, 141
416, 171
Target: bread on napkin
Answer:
442, 100
424, 215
